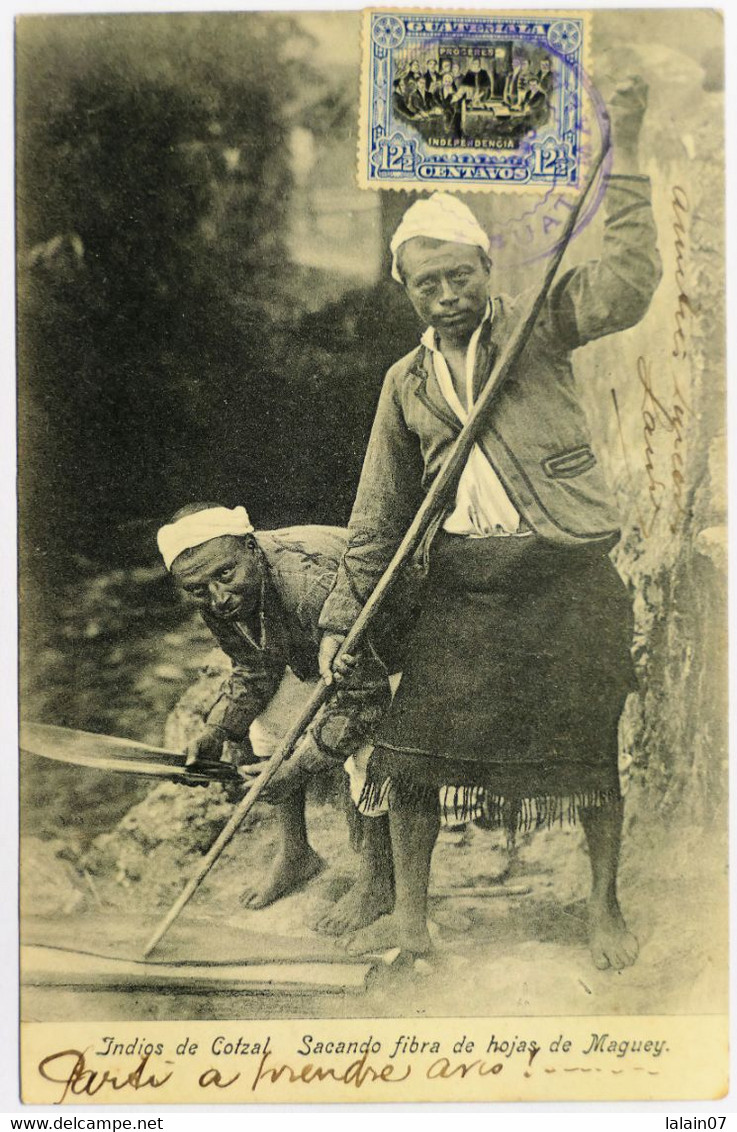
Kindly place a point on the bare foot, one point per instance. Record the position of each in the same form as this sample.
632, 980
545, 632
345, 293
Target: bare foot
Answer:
366, 901
380, 936
612, 943
288, 874
384, 935
405, 963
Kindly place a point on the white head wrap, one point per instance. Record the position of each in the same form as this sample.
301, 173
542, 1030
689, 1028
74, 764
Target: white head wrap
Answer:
193, 530
440, 217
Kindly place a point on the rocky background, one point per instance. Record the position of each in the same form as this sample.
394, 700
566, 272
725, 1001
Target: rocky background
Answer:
174, 344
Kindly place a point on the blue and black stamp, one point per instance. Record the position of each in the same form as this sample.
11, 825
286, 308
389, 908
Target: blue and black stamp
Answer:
472, 101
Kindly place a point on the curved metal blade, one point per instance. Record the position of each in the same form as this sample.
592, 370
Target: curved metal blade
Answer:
108, 752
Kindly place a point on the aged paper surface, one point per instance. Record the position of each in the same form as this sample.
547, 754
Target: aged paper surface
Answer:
206, 313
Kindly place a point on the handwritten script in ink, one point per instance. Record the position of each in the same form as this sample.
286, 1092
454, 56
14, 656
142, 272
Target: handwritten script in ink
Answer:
354, 1064
69, 1069
664, 408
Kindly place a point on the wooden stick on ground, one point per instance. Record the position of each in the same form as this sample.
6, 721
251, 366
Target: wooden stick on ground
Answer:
45, 966
488, 892
439, 493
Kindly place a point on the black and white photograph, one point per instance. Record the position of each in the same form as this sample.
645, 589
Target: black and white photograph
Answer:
373, 557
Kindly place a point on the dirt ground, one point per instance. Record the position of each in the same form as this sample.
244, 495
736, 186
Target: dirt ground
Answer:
511, 956
104, 856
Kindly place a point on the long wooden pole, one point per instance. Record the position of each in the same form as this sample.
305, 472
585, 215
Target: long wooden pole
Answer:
440, 490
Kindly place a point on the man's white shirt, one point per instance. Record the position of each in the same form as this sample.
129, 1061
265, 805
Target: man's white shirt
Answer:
482, 508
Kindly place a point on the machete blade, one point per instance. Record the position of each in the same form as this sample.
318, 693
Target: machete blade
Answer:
108, 752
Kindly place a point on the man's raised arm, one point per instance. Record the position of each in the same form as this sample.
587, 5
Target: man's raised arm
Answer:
614, 292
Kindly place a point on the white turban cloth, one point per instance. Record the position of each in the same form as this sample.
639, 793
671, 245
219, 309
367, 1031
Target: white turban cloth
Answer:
201, 526
440, 217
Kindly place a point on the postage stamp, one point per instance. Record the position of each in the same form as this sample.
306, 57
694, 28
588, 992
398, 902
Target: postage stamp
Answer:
479, 100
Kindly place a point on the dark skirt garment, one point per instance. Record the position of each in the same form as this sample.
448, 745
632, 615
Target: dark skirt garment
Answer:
514, 679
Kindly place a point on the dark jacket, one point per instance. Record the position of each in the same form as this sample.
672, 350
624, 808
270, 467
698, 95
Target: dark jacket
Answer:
536, 107
300, 564
479, 82
547, 82
537, 439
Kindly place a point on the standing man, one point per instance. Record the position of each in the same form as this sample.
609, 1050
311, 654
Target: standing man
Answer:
535, 103
516, 84
545, 76
432, 81
477, 81
519, 664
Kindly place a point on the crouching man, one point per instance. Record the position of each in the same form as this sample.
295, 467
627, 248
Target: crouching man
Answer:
261, 595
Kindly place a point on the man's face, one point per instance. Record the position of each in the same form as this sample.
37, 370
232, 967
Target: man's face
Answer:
221, 576
447, 284
446, 66
416, 69
545, 66
476, 65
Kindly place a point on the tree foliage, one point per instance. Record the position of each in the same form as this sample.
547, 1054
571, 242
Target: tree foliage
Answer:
153, 187
165, 350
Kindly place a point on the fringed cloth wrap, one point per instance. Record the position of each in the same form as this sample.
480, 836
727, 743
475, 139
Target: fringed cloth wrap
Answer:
515, 676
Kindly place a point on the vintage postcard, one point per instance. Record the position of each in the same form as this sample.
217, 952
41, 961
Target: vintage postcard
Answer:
372, 472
